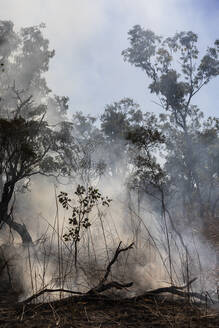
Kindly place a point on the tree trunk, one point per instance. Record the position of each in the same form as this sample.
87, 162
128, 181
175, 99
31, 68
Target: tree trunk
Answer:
7, 218
20, 229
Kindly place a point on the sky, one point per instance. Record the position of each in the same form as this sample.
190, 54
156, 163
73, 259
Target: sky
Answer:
89, 36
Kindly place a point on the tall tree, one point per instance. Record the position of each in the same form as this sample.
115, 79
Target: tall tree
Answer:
89, 160
177, 74
29, 144
116, 121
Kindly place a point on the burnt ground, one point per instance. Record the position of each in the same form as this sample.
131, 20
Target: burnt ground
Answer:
99, 312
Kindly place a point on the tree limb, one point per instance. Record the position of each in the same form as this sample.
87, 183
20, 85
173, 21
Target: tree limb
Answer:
47, 290
102, 286
113, 284
117, 252
177, 290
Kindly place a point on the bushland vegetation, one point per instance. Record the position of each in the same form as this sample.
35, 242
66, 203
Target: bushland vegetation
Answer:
149, 181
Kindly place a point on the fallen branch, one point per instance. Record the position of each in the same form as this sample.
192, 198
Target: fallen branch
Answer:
177, 290
179, 287
174, 291
34, 296
101, 287
112, 284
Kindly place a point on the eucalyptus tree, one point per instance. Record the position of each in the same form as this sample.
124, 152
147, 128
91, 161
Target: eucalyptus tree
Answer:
35, 135
89, 159
177, 73
117, 120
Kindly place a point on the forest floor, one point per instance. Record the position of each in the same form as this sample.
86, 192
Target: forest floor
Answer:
100, 311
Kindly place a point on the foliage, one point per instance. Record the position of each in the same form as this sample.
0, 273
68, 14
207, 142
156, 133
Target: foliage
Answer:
118, 117
119, 122
86, 201
193, 168
29, 144
147, 174
177, 74
89, 160
173, 66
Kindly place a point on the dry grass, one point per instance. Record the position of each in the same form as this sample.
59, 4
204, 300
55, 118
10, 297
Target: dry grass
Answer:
83, 312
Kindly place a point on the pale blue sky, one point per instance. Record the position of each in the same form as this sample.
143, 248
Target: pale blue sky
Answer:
89, 35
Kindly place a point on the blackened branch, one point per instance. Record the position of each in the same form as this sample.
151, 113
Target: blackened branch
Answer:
117, 252
102, 286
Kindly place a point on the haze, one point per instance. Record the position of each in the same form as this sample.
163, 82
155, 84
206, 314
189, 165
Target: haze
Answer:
88, 37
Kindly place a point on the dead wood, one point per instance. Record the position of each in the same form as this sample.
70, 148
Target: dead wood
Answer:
117, 252
113, 284
47, 290
101, 287
177, 290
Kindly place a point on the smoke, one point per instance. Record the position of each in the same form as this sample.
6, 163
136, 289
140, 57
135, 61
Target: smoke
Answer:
158, 257
50, 263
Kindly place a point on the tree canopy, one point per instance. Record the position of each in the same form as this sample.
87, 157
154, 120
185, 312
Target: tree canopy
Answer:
177, 73
33, 140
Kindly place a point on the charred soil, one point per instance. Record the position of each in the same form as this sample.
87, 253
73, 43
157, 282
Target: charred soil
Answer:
101, 311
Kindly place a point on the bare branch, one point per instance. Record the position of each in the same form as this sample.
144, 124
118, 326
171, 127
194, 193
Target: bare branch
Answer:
102, 286
112, 284
34, 296
118, 251
177, 290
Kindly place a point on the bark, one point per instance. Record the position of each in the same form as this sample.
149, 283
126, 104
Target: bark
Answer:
7, 218
20, 229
